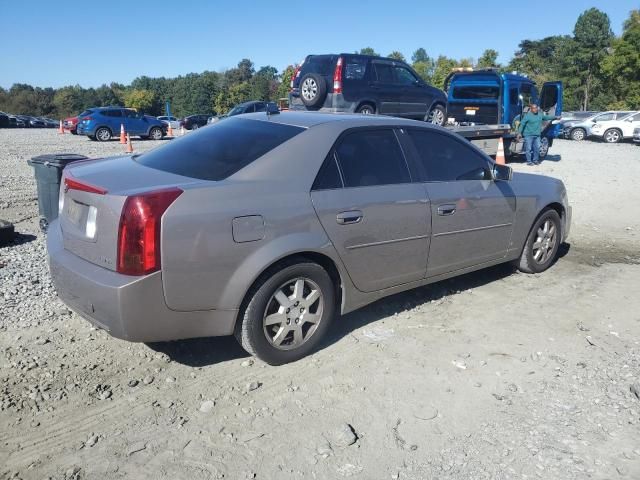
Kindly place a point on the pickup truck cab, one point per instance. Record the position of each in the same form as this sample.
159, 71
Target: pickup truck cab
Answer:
488, 97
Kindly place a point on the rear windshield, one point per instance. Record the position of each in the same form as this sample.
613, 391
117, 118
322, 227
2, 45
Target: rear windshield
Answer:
220, 150
476, 91
321, 64
86, 112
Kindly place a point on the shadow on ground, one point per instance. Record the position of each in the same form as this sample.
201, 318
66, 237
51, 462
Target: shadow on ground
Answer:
208, 351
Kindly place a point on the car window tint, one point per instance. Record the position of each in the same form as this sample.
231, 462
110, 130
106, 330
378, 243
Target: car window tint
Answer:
355, 68
491, 92
447, 159
604, 117
218, 151
329, 175
260, 107
130, 113
404, 76
371, 157
322, 64
384, 72
112, 113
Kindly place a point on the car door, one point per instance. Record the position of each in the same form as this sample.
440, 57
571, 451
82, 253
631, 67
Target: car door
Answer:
471, 214
412, 92
133, 122
113, 118
385, 89
377, 220
551, 104
629, 124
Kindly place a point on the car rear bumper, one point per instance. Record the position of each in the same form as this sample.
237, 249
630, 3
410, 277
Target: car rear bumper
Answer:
334, 103
130, 308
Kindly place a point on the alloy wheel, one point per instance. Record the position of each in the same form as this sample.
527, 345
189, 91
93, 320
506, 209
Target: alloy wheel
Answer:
293, 313
309, 89
545, 242
612, 136
436, 117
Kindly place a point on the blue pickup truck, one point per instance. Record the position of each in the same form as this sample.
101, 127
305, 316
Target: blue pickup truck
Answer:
489, 101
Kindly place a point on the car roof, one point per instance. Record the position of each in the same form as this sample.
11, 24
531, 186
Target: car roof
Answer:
311, 119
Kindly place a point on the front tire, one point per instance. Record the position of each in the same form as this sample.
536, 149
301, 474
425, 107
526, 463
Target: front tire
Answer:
612, 135
287, 312
541, 248
366, 109
437, 116
103, 134
156, 133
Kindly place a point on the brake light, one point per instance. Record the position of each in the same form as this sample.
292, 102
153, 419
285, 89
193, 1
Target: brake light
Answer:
296, 74
71, 183
87, 118
139, 231
337, 77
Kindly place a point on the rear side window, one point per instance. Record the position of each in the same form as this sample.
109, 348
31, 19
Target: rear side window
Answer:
371, 157
112, 113
446, 159
218, 151
491, 92
355, 68
329, 176
86, 112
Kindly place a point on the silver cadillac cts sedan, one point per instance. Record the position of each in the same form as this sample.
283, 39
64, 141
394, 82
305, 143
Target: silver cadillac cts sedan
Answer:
266, 226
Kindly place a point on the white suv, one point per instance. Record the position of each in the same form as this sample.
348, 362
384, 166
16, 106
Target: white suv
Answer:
615, 131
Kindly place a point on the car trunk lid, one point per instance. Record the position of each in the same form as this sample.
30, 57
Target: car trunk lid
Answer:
92, 196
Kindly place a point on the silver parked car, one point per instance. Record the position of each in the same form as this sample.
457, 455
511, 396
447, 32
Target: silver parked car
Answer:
266, 226
580, 129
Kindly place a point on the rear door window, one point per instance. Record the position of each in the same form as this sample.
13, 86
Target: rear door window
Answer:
371, 157
447, 159
604, 117
112, 113
384, 72
329, 175
355, 68
216, 152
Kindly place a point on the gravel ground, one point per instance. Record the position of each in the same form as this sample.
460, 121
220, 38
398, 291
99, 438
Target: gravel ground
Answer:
494, 375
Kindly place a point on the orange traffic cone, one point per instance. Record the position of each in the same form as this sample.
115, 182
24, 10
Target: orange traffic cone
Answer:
61, 130
170, 131
500, 160
129, 146
123, 138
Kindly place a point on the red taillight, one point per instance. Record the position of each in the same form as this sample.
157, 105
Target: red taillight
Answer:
71, 183
87, 118
296, 72
337, 77
139, 231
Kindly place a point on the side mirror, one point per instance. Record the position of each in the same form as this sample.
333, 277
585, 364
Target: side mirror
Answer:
502, 173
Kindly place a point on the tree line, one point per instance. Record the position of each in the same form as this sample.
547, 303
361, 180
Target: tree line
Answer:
600, 71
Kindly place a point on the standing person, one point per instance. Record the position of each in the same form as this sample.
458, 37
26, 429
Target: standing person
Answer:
530, 128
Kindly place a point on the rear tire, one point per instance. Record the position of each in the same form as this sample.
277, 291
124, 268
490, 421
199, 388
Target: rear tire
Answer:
613, 135
7, 232
313, 90
293, 304
437, 116
103, 134
578, 134
366, 109
541, 248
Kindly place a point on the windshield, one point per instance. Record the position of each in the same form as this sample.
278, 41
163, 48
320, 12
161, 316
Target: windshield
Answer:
220, 150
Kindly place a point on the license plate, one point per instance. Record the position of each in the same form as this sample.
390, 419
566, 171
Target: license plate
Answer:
73, 211
470, 112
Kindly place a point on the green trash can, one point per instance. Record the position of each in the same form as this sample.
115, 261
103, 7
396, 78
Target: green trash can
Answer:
48, 172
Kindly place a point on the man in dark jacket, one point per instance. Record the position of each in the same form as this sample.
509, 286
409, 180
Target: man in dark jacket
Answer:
530, 128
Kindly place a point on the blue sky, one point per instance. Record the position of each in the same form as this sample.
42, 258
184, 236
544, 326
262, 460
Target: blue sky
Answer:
64, 42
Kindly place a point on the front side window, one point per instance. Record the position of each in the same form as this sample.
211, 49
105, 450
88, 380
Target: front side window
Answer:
447, 159
404, 76
371, 157
216, 152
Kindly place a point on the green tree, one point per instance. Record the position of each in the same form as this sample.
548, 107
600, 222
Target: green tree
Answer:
420, 55
488, 59
141, 100
285, 82
69, 101
368, 51
425, 70
622, 68
442, 68
592, 37
396, 56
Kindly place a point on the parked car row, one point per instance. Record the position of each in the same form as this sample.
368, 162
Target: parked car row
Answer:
104, 123
611, 127
8, 120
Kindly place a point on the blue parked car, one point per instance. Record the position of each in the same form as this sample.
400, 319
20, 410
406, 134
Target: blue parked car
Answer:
103, 123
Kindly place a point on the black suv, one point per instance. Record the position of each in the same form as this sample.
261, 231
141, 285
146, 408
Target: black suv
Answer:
193, 122
365, 84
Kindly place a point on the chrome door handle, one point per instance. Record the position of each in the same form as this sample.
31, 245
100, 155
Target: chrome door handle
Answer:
449, 209
346, 218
